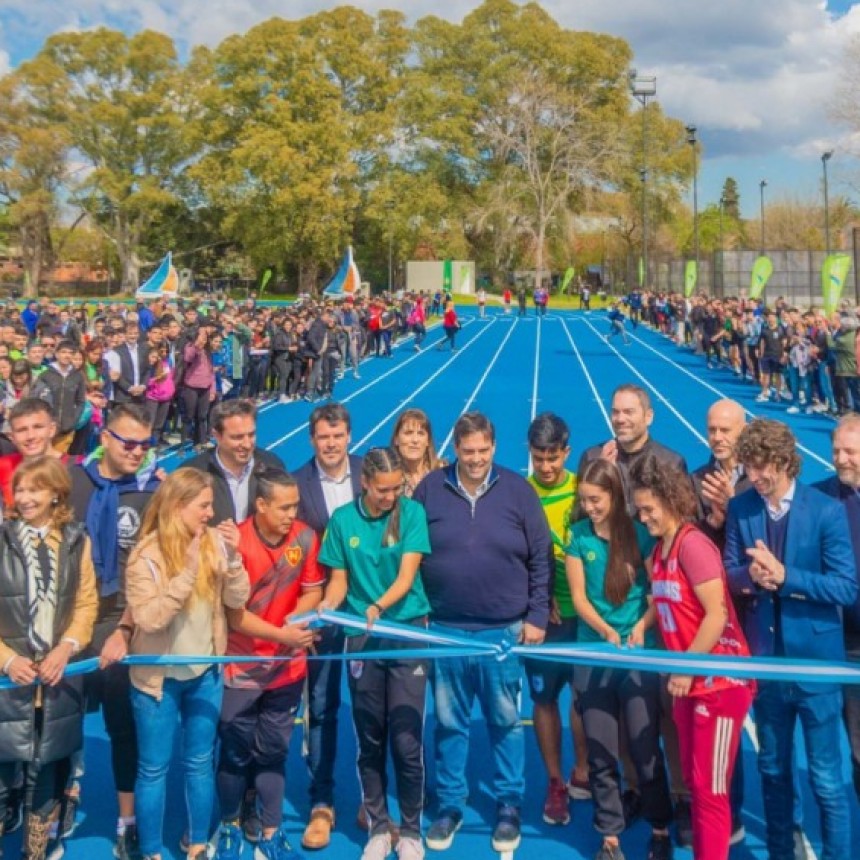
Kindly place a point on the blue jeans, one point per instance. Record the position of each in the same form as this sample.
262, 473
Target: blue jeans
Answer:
196, 705
497, 685
324, 677
825, 384
778, 706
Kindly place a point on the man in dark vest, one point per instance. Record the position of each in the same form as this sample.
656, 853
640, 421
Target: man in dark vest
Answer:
111, 490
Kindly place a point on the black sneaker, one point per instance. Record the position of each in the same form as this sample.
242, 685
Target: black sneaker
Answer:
631, 805
683, 823
506, 834
127, 845
441, 833
609, 852
660, 848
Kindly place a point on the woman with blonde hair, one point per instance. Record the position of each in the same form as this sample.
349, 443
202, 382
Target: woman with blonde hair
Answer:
181, 579
413, 440
48, 606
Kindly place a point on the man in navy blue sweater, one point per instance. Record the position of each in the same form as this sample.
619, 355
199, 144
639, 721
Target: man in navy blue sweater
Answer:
488, 578
845, 486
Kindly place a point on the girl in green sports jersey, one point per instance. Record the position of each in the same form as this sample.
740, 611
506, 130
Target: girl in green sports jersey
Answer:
374, 547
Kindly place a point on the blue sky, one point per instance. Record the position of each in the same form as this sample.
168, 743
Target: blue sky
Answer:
755, 76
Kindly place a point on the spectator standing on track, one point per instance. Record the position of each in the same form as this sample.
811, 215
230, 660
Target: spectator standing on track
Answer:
482, 303
696, 616
845, 486
842, 342
232, 462
44, 623
788, 553
773, 357
450, 325
65, 388
514, 564
549, 448
261, 700
522, 295
160, 391
331, 478
198, 387
605, 560
388, 696
181, 579
506, 300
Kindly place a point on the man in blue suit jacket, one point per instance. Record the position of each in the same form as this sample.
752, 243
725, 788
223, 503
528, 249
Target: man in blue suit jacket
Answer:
331, 478
788, 552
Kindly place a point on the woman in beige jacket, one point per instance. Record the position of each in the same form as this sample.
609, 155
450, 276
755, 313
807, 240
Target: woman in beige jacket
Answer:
180, 579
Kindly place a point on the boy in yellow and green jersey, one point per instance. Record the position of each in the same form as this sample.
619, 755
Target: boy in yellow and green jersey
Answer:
549, 448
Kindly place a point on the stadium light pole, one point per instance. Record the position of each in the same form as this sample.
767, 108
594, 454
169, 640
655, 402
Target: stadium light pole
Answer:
722, 255
691, 139
825, 157
643, 87
762, 185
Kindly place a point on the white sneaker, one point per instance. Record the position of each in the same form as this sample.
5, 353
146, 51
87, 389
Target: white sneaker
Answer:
792, 410
762, 398
284, 398
378, 847
410, 848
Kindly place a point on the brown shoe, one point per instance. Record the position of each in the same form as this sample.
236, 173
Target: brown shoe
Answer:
318, 832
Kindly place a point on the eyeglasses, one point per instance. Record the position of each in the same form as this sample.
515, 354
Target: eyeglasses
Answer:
130, 444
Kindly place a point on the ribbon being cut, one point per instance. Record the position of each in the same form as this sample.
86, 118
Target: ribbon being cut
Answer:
435, 646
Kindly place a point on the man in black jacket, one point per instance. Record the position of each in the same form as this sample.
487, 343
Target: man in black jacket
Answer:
66, 390
234, 459
110, 493
134, 368
331, 478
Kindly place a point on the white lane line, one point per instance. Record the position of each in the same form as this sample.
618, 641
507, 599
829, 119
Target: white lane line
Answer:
421, 387
657, 393
588, 378
717, 391
480, 385
537, 372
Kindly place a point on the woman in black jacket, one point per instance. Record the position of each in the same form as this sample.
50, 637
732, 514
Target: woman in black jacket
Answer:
48, 606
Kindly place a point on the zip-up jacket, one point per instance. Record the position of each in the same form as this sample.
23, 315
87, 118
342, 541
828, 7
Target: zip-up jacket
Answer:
492, 561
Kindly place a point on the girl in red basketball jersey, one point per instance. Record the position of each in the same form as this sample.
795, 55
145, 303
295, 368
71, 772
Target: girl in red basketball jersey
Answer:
696, 615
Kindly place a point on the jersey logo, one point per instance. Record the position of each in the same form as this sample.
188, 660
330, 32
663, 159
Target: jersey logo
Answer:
356, 668
590, 556
294, 555
354, 542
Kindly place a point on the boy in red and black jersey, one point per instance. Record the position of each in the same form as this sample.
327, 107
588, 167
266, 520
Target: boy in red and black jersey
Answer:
261, 699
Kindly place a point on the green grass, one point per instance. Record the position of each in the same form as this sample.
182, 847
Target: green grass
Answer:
564, 303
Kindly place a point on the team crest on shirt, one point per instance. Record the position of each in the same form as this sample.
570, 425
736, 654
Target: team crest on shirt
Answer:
591, 556
293, 555
354, 542
356, 668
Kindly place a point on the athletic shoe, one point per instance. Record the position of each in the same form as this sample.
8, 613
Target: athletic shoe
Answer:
127, 845
55, 850
793, 410
609, 852
229, 845
786, 395
659, 848
378, 847
276, 848
739, 832
762, 398
683, 823
506, 833
70, 815
820, 407
555, 807
442, 831
578, 789
410, 848
252, 826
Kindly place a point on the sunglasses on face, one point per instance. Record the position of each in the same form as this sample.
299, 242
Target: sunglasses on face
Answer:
130, 444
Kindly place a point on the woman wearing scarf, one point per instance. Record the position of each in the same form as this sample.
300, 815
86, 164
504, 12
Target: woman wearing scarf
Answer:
48, 606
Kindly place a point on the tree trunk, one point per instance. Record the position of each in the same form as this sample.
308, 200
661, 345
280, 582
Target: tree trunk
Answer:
35, 240
126, 247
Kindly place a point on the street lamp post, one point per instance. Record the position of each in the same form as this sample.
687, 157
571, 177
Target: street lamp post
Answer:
642, 88
762, 185
825, 157
691, 139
